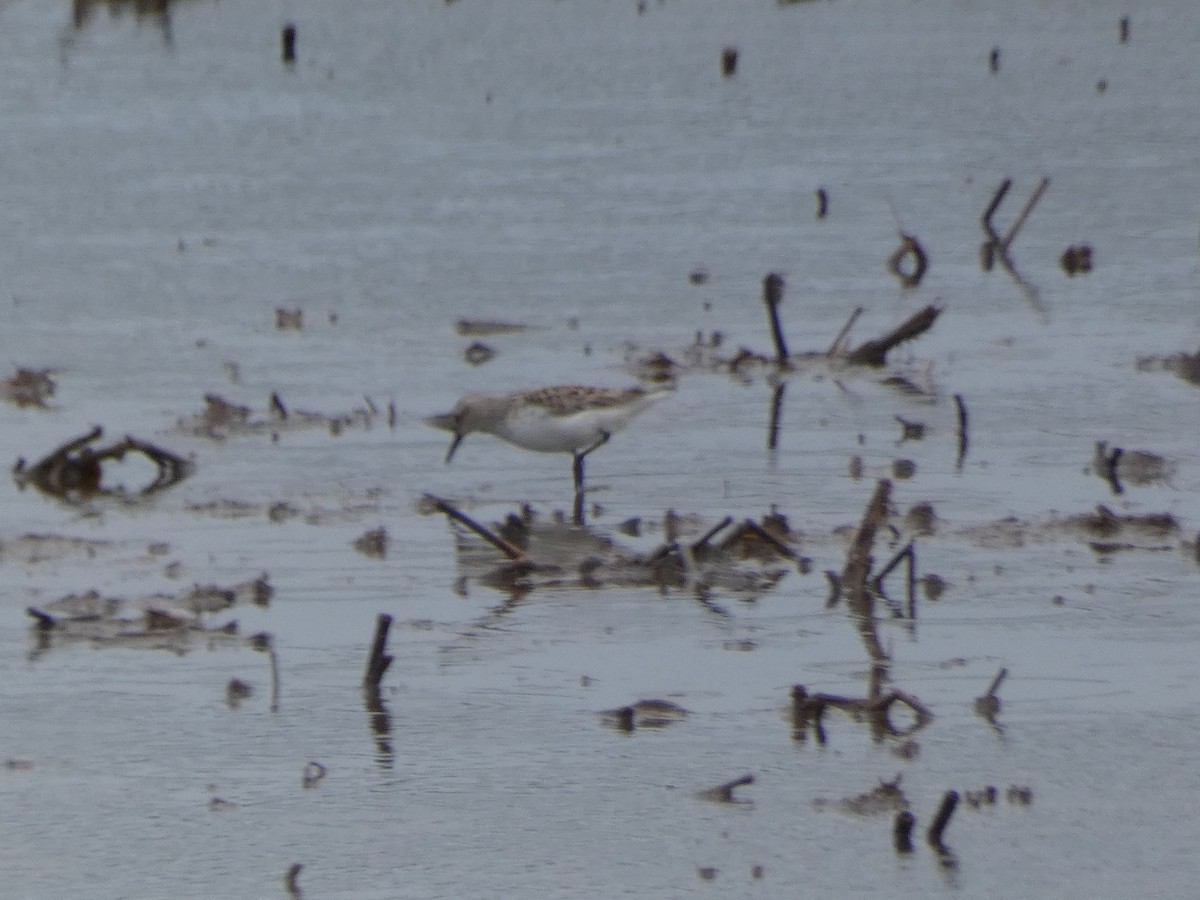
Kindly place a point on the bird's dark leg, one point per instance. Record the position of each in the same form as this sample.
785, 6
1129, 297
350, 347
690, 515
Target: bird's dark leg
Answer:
578, 472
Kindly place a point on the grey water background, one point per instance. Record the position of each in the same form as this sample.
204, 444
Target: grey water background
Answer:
167, 184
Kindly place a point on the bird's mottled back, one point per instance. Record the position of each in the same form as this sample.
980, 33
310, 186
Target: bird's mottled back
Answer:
565, 400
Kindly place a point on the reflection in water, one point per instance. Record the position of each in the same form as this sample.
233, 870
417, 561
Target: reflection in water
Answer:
377, 714
539, 551
158, 622
859, 590
157, 11
380, 721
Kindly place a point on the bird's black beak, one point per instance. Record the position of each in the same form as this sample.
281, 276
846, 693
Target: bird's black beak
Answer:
453, 446
447, 422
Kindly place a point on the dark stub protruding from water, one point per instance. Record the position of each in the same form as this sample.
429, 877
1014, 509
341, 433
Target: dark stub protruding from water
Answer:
772, 297
287, 44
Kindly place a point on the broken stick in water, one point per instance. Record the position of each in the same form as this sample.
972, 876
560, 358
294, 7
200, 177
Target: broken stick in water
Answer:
942, 819
263, 643
874, 352
987, 252
712, 533
378, 661
962, 429
837, 346
287, 44
908, 555
1011, 235
772, 297
723, 793
987, 707
729, 59
512, 551
289, 880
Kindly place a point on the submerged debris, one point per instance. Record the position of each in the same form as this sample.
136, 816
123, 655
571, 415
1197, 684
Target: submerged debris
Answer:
237, 691
373, 543
723, 793
478, 354
1076, 259
1185, 365
1137, 467
156, 621
30, 387
289, 319
221, 419
708, 355
545, 552
644, 714
75, 471
883, 799
482, 328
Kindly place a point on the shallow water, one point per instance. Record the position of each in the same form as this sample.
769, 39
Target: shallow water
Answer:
169, 184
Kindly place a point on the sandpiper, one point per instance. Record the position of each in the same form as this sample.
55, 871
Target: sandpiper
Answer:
560, 419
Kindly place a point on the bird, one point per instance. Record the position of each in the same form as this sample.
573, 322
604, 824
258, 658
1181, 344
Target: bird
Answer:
558, 419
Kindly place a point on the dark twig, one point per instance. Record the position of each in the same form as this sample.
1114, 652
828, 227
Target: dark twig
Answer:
723, 793
711, 533
996, 247
378, 661
263, 643
997, 198
1005, 242
837, 348
289, 880
772, 297
762, 533
45, 621
287, 53
941, 820
508, 549
987, 707
962, 430
907, 555
874, 353
1108, 464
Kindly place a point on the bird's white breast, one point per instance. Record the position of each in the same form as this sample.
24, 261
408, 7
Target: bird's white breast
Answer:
534, 428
